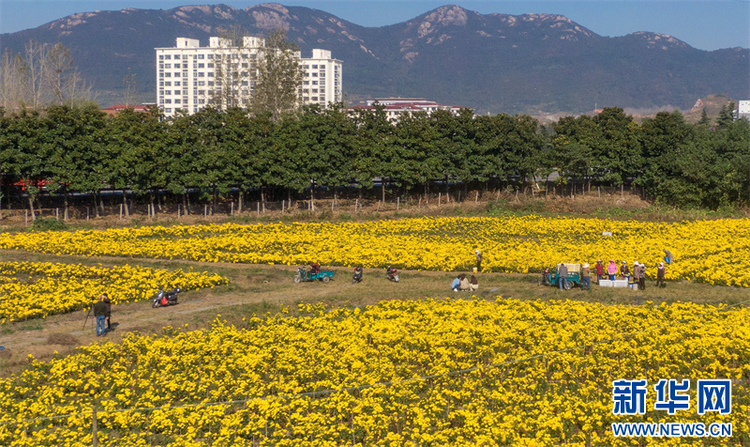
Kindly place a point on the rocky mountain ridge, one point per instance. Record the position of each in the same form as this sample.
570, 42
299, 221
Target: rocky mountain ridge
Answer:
494, 63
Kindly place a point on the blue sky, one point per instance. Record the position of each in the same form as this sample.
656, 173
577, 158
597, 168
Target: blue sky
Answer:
707, 25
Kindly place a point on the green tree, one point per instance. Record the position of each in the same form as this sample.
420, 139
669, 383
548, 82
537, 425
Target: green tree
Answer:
417, 159
73, 150
705, 120
134, 153
612, 139
726, 115
22, 153
375, 140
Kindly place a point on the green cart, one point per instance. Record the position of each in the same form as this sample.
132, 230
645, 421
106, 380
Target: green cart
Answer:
551, 276
308, 276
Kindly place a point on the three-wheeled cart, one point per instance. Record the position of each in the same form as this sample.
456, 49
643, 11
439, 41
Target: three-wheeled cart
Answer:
551, 276
308, 276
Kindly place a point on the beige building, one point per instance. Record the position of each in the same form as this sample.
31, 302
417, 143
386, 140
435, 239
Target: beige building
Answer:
189, 76
395, 107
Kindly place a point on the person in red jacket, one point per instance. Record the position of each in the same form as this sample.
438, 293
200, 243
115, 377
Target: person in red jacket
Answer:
599, 269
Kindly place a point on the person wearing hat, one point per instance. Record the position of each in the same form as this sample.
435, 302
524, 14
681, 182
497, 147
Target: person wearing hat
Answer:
636, 272
585, 277
668, 257
599, 268
479, 259
641, 268
612, 269
660, 275
624, 270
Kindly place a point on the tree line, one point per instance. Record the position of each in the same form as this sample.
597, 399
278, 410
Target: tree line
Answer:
211, 154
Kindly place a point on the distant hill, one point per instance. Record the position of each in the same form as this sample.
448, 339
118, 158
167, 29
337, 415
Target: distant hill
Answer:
531, 63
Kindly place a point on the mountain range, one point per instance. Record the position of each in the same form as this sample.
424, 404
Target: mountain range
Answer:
531, 63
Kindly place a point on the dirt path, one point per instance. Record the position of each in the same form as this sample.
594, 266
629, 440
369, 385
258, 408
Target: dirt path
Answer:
263, 288
252, 289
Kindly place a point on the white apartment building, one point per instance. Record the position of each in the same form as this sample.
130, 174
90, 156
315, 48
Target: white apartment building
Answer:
743, 109
395, 107
188, 76
321, 82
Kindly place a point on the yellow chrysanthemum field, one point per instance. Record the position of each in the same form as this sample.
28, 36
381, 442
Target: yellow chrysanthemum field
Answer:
38, 289
710, 251
428, 372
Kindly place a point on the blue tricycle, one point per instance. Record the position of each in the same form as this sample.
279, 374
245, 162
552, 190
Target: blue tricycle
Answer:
551, 277
312, 275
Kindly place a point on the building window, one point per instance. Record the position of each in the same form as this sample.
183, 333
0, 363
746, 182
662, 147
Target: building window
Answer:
304, 90
177, 101
168, 110
161, 84
210, 83
200, 56
167, 65
177, 66
201, 83
315, 75
177, 83
314, 66
168, 84
161, 57
201, 65
306, 82
210, 74
167, 101
314, 82
200, 74
201, 101
315, 90
168, 92
167, 57
210, 56
209, 65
